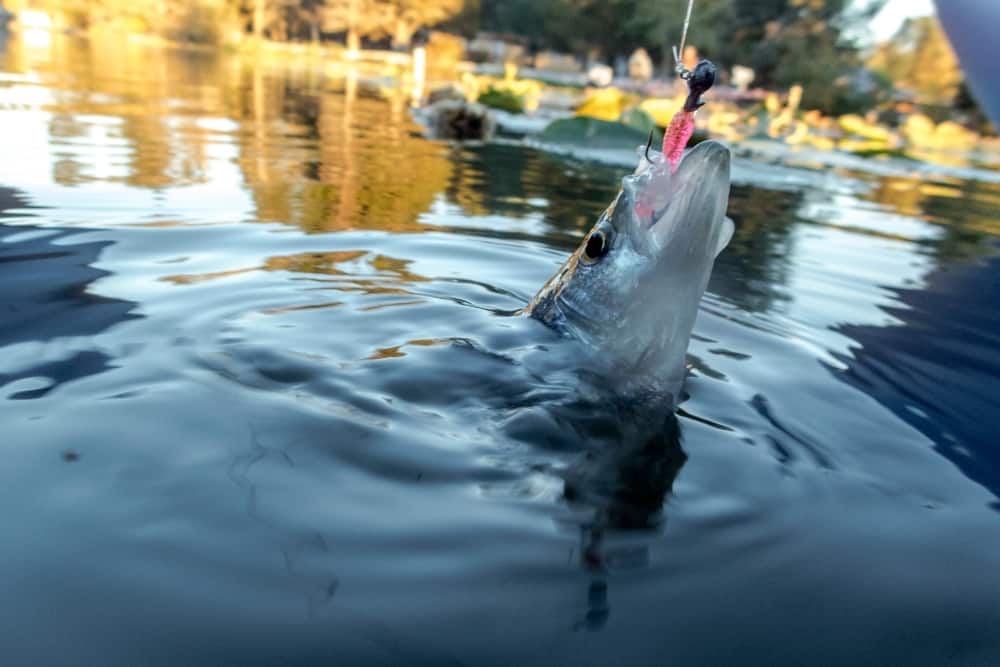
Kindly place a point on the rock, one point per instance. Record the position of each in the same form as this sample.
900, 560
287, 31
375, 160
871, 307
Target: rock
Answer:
459, 120
640, 65
600, 75
742, 77
446, 92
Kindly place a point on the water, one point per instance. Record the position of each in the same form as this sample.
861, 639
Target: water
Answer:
264, 401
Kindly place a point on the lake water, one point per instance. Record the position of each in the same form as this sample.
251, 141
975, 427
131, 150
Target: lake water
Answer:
264, 399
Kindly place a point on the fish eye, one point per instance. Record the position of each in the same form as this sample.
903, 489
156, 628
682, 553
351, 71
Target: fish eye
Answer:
597, 245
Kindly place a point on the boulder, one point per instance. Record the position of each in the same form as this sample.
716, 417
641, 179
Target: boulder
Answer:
459, 120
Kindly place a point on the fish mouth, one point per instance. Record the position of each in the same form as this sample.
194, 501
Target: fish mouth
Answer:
696, 197
706, 163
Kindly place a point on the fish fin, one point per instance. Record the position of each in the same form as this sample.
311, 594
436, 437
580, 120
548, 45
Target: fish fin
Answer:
725, 234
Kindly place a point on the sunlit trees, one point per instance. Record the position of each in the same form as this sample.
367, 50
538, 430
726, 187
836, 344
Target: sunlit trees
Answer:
786, 42
278, 20
377, 19
357, 19
918, 59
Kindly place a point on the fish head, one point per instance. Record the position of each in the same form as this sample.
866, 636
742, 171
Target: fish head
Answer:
631, 290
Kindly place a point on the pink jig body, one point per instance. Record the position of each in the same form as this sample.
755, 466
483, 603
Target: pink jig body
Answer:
676, 138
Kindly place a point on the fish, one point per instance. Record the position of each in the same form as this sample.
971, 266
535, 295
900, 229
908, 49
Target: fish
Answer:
630, 291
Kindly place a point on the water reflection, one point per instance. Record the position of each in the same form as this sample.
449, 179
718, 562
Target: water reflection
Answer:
46, 274
623, 481
938, 369
618, 490
754, 270
313, 149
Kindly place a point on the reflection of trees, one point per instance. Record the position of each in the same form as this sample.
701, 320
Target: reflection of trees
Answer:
969, 214
755, 266
156, 95
317, 150
919, 59
345, 270
901, 195
965, 211
313, 151
757, 261
498, 179
324, 159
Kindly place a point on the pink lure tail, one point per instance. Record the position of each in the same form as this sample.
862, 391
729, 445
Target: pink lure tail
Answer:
681, 127
676, 138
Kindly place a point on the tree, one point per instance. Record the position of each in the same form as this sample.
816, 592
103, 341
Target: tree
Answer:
919, 60
398, 19
411, 15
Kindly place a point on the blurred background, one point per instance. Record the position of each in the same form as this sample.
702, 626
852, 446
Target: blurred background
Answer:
863, 76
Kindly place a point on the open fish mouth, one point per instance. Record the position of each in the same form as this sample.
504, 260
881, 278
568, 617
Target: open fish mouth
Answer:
660, 200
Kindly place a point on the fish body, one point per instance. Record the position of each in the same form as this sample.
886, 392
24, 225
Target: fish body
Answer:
630, 291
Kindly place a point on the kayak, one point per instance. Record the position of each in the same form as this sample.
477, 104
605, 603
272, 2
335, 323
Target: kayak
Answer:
971, 26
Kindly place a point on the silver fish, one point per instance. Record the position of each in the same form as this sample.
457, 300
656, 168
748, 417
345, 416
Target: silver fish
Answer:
631, 290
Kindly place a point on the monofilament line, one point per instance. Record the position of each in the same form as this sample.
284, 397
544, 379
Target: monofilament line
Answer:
678, 65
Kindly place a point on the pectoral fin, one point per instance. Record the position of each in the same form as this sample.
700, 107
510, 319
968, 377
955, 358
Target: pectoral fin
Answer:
725, 235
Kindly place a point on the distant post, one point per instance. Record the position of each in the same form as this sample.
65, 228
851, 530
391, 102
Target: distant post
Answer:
258, 19
419, 59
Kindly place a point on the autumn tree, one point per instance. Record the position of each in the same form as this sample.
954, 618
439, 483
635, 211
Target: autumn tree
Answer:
919, 59
378, 19
411, 15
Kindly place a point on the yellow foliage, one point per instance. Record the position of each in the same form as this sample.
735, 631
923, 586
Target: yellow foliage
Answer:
854, 124
799, 133
820, 142
953, 135
916, 127
779, 124
529, 90
863, 145
725, 124
921, 132
605, 104
662, 109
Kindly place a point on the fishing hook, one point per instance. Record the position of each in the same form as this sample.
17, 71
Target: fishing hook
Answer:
649, 144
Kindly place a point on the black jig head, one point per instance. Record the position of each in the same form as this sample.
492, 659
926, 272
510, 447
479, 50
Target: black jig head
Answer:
699, 81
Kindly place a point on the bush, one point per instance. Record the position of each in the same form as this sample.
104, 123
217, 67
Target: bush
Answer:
504, 100
199, 22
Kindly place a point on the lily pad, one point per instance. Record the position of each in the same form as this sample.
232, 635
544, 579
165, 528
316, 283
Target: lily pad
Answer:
593, 133
638, 119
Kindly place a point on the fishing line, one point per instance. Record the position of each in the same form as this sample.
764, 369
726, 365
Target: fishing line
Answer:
681, 127
682, 71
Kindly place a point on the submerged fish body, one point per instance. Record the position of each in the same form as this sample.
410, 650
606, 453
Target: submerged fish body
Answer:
630, 292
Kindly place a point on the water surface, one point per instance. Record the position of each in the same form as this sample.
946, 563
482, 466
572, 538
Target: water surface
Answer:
265, 400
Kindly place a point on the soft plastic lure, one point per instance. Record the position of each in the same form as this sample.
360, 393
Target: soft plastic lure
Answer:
675, 140
681, 126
